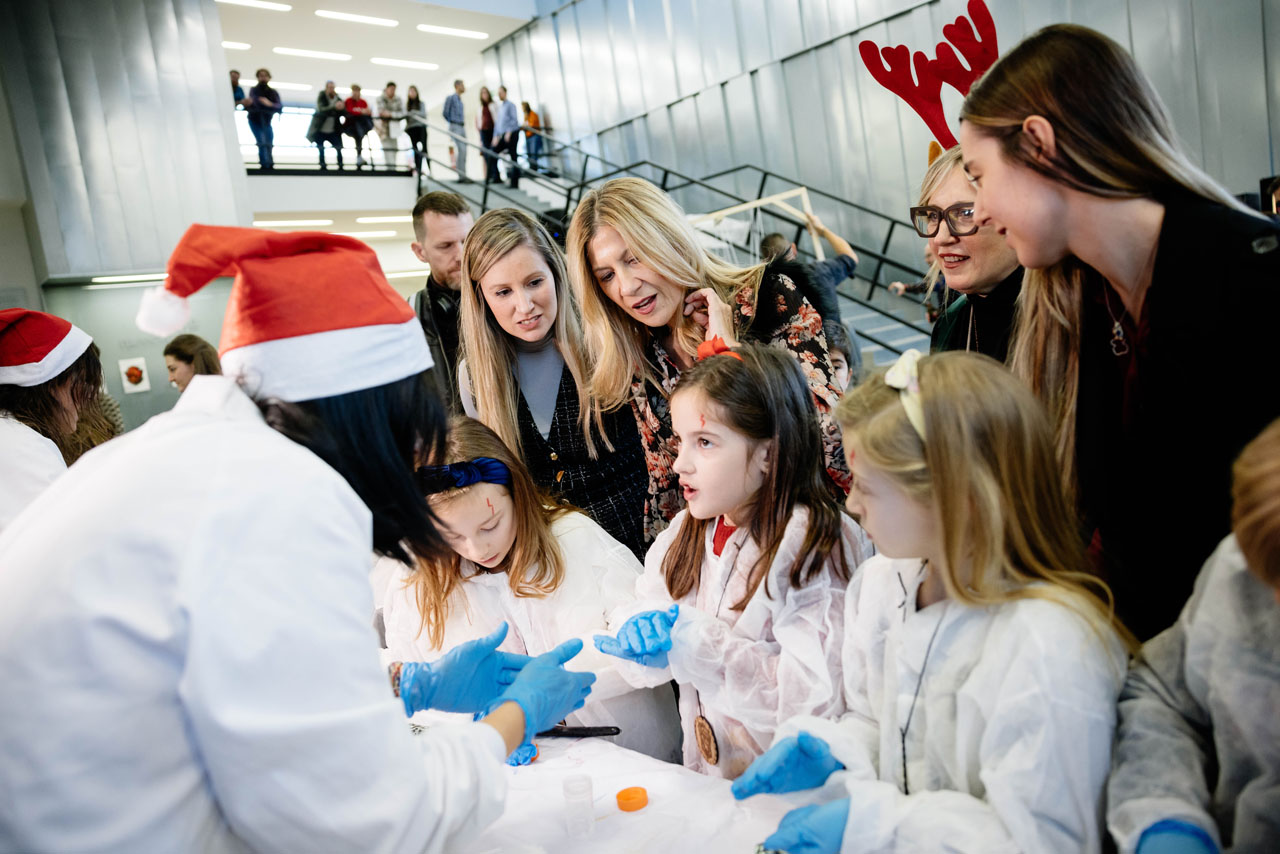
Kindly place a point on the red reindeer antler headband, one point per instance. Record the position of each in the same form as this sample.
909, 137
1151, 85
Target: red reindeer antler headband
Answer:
924, 93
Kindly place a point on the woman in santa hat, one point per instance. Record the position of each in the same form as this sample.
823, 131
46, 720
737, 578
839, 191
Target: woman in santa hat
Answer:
201, 674
49, 371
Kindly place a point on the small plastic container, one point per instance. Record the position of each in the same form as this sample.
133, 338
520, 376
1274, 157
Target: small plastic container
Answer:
632, 799
579, 806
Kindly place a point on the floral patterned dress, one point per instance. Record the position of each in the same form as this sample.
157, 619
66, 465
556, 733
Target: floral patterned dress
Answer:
785, 320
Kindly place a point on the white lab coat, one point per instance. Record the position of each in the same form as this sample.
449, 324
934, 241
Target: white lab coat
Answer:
188, 664
1199, 737
748, 671
599, 576
1010, 739
28, 464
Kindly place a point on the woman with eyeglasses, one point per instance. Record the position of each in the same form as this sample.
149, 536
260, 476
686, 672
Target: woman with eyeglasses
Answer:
981, 272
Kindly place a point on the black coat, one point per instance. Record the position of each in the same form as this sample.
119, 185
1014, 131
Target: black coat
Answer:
1155, 445
990, 318
437, 308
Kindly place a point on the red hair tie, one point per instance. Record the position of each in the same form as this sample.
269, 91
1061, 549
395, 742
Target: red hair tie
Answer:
715, 347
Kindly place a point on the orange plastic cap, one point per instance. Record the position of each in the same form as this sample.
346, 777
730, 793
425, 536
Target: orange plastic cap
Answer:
632, 799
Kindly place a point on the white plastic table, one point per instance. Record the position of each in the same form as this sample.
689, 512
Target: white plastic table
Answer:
687, 812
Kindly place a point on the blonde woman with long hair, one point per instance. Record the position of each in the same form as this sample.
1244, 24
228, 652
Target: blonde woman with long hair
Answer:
519, 556
1138, 265
524, 373
981, 661
651, 296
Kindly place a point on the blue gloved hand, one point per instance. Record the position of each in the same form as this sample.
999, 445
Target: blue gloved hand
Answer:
523, 754
546, 691
812, 830
466, 679
802, 762
1172, 836
644, 639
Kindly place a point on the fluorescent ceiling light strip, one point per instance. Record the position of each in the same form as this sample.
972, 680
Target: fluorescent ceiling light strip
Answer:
236, 45
356, 19
404, 63
407, 274
133, 284
450, 31
285, 223
366, 235
311, 54
259, 4
371, 220
136, 277
291, 87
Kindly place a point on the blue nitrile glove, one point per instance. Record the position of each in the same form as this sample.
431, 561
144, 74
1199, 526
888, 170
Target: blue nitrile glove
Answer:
644, 639
812, 830
1172, 836
466, 679
801, 762
546, 691
523, 754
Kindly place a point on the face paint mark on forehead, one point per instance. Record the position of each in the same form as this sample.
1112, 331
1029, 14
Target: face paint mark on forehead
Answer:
492, 511
702, 421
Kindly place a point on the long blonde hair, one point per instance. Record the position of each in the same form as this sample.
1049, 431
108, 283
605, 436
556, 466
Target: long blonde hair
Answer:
989, 465
534, 565
1114, 139
656, 230
490, 352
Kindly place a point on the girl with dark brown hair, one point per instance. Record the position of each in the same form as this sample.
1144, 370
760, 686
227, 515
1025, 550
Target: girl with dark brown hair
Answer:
189, 355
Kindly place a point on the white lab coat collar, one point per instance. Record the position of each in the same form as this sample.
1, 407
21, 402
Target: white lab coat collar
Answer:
210, 394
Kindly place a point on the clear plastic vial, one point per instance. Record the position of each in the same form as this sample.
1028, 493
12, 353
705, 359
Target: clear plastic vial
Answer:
579, 809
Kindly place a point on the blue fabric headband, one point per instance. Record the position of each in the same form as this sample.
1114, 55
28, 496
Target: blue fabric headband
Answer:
434, 479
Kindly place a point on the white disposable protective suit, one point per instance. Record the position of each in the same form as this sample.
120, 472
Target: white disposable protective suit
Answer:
747, 671
187, 662
1009, 740
600, 576
1199, 736
28, 464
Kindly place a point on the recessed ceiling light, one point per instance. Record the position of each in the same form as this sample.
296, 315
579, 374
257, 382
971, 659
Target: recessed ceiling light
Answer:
136, 277
450, 31
285, 223
236, 45
291, 87
135, 283
366, 235
356, 19
404, 63
407, 274
372, 220
259, 4
311, 54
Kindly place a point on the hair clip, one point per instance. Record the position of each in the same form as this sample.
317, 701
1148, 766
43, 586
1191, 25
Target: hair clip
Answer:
715, 347
905, 377
433, 479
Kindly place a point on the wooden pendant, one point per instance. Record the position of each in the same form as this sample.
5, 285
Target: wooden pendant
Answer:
706, 739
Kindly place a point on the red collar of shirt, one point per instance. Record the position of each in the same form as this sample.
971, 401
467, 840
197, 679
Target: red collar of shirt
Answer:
723, 532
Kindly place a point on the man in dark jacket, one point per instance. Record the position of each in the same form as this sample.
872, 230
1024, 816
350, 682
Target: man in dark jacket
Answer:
441, 221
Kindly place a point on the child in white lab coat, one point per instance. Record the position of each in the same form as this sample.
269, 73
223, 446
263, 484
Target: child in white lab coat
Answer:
756, 565
544, 568
981, 663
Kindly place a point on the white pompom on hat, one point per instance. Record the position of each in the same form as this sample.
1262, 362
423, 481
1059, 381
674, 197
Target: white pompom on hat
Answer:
311, 314
36, 347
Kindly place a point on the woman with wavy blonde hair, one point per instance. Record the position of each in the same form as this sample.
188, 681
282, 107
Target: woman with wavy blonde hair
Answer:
524, 373
1138, 263
651, 296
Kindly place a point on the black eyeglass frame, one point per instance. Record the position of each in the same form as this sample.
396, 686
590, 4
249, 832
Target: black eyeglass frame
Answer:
948, 214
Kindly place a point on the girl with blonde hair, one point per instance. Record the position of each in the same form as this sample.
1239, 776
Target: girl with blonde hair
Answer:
524, 372
651, 296
981, 661
1136, 262
522, 557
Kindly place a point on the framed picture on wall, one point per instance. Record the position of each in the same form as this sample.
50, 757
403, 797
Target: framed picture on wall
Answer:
134, 375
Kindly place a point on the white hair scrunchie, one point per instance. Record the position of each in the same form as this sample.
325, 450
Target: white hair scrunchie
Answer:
905, 377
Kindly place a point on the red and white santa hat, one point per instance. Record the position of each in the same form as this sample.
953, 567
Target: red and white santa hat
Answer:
36, 347
311, 314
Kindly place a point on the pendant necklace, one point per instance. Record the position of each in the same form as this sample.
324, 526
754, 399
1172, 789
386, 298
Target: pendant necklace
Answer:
902, 730
1119, 346
703, 734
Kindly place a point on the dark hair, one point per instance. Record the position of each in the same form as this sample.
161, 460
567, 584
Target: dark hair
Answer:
40, 409
235, 72
441, 202
414, 101
196, 352
764, 397
390, 83
524, 105
772, 245
1274, 186
484, 91
260, 70
837, 337
373, 438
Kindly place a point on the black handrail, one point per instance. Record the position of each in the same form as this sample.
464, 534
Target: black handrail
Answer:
461, 139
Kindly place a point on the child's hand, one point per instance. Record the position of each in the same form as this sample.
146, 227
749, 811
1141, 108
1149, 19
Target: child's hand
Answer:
644, 639
791, 765
709, 311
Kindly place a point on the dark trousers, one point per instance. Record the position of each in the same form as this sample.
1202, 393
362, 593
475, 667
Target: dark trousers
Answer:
490, 162
334, 139
418, 141
260, 124
507, 144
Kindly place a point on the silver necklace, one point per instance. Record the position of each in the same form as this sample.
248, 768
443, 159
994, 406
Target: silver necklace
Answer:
902, 730
1119, 346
